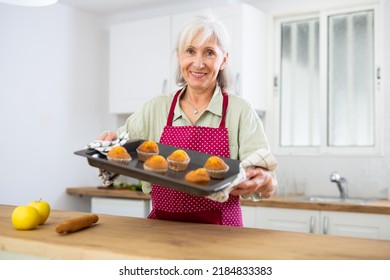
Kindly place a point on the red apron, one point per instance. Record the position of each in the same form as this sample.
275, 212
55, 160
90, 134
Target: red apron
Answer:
169, 204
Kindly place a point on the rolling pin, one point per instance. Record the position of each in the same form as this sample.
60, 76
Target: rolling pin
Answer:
76, 224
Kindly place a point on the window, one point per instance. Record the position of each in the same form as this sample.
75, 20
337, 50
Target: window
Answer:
299, 89
351, 79
327, 82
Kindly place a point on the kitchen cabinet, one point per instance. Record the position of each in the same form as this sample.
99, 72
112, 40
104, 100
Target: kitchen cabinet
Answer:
120, 207
249, 216
139, 62
246, 27
296, 220
373, 226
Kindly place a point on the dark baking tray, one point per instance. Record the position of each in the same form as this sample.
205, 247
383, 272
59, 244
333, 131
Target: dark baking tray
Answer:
171, 179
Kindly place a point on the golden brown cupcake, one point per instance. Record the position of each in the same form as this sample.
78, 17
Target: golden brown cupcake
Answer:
147, 149
118, 154
216, 167
178, 160
156, 163
198, 176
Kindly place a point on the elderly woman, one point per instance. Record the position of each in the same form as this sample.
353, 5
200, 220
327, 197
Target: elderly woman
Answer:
202, 116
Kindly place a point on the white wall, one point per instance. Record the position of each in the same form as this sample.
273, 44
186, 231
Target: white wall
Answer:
52, 83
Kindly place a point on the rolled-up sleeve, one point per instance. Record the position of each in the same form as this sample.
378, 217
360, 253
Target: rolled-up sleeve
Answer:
246, 131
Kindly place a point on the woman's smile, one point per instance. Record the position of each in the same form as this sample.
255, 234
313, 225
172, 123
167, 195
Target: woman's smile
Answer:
198, 74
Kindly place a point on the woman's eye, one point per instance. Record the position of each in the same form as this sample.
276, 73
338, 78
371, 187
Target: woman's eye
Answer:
209, 53
190, 51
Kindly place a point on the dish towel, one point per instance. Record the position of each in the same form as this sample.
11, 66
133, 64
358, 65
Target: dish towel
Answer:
107, 177
105, 146
261, 158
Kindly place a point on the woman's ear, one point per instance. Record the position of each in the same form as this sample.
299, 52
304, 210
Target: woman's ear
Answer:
225, 59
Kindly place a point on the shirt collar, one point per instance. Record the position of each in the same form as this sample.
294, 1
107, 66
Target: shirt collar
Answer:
215, 105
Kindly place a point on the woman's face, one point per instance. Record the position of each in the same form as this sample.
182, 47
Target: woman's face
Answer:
201, 63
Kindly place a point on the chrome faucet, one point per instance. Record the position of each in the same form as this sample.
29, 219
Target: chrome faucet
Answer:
341, 184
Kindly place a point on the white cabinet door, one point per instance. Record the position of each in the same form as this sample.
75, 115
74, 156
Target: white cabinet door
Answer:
374, 226
288, 219
363, 225
139, 63
249, 216
120, 207
246, 27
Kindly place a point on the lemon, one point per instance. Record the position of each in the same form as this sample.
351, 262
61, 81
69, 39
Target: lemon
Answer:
43, 208
25, 217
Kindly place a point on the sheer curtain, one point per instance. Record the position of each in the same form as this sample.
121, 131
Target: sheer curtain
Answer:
350, 81
300, 92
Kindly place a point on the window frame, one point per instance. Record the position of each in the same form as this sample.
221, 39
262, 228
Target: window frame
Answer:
323, 149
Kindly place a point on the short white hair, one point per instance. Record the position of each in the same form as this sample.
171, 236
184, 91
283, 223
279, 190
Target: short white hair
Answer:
207, 27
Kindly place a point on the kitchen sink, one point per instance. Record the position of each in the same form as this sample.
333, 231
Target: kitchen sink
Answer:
329, 199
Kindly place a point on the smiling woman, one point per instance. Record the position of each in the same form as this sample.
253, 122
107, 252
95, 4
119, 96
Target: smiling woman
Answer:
202, 116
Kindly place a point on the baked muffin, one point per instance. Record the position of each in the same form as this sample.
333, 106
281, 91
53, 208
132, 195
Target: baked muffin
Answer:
156, 163
118, 154
178, 160
198, 176
216, 167
147, 149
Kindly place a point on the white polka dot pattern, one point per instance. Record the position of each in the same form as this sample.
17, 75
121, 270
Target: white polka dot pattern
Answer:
206, 140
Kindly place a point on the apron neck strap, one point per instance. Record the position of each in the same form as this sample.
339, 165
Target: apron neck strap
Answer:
225, 103
172, 109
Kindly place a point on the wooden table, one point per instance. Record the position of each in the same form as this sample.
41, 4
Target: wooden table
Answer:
115, 237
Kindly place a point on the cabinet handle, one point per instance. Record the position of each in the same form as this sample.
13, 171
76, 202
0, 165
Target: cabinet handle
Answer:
378, 78
164, 86
237, 83
312, 224
325, 225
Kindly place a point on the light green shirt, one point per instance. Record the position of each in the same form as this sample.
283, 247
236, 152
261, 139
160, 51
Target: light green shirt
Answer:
245, 129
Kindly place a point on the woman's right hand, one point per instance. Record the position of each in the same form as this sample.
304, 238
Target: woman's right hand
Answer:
108, 136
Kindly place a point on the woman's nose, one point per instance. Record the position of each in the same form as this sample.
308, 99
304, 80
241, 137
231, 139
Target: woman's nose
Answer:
198, 61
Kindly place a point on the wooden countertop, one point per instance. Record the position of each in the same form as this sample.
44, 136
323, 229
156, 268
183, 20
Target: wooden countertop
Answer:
376, 207
107, 192
116, 237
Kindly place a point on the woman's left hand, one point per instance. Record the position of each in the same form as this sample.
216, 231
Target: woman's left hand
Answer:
259, 180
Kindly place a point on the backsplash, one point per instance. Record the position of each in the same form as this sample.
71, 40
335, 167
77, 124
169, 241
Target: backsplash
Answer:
367, 177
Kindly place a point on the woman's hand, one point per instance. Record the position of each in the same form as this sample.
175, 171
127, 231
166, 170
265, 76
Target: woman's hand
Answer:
259, 180
108, 136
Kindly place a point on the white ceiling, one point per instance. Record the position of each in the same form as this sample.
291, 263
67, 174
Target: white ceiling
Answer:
115, 7
110, 7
